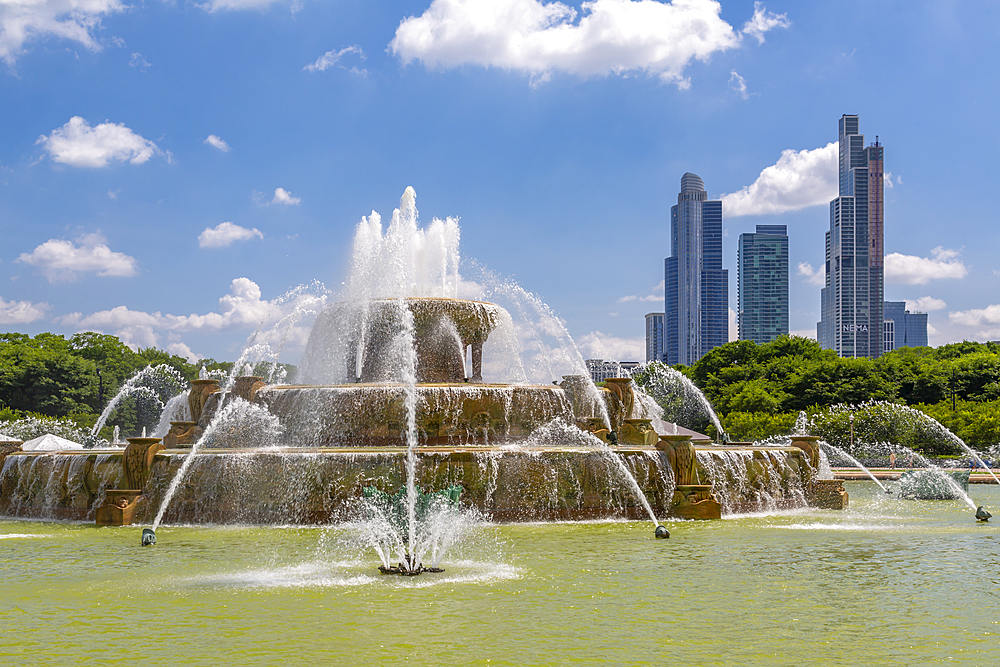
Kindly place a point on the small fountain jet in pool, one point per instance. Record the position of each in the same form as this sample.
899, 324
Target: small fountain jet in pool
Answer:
408, 568
982, 515
148, 537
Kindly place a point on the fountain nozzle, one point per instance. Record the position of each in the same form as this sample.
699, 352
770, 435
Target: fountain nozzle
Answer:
148, 537
662, 533
982, 515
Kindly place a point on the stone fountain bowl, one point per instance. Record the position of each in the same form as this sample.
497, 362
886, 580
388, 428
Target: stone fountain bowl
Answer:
443, 330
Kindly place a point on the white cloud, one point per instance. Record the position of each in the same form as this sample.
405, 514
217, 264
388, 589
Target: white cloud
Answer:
609, 36
21, 312
331, 58
243, 307
79, 145
804, 333
22, 21
799, 179
63, 260
734, 325
217, 142
283, 196
656, 294
597, 345
813, 276
739, 84
762, 21
239, 5
182, 350
984, 321
138, 60
925, 304
226, 234
912, 270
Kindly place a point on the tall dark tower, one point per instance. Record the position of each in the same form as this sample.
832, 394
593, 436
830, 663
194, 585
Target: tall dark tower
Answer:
696, 299
851, 302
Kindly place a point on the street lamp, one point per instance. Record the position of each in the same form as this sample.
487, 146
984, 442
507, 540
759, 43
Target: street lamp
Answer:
851, 417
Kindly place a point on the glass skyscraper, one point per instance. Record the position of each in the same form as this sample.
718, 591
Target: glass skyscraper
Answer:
851, 303
696, 298
903, 328
762, 284
654, 337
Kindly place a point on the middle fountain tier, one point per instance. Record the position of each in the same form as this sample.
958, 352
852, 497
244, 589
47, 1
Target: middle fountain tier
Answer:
360, 346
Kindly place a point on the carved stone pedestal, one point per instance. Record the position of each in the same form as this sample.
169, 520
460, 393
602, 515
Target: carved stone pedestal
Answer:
182, 434
137, 461
695, 501
828, 494
118, 508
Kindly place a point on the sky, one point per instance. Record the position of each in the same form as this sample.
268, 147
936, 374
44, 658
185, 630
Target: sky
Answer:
169, 170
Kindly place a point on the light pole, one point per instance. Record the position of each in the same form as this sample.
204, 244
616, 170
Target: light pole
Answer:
851, 446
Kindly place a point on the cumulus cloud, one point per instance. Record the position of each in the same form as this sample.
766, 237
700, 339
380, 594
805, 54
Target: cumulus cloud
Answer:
925, 304
608, 37
984, 321
26, 20
798, 179
226, 234
656, 294
21, 312
239, 5
242, 307
813, 276
217, 142
79, 145
331, 58
182, 350
62, 260
734, 325
597, 345
283, 196
912, 270
739, 84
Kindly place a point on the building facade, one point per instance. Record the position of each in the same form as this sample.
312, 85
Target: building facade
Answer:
696, 296
762, 284
851, 302
654, 337
600, 370
902, 328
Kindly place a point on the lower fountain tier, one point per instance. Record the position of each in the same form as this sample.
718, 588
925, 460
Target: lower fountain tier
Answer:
446, 414
320, 486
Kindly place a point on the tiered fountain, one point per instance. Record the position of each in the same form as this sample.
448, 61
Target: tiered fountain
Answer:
396, 392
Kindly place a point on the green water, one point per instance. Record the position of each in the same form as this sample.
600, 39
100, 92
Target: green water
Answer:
889, 582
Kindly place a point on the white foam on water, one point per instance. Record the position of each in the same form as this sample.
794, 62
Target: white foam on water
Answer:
20, 536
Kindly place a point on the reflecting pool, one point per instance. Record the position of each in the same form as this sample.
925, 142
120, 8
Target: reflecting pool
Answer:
887, 582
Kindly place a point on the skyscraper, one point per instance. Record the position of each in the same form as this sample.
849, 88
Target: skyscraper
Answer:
851, 302
903, 328
762, 284
696, 298
654, 337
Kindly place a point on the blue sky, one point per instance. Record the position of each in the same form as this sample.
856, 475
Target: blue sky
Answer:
168, 169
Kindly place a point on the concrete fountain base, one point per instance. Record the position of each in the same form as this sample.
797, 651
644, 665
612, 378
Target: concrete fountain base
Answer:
309, 486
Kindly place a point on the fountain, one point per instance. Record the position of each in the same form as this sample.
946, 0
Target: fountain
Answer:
413, 380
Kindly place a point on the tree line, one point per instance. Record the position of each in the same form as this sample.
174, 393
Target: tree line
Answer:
758, 390
73, 378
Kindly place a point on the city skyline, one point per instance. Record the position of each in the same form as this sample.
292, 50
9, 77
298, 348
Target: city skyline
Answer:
168, 172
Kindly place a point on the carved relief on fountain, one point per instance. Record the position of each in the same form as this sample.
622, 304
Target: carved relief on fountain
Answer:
137, 462
692, 499
619, 399
197, 396
182, 434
